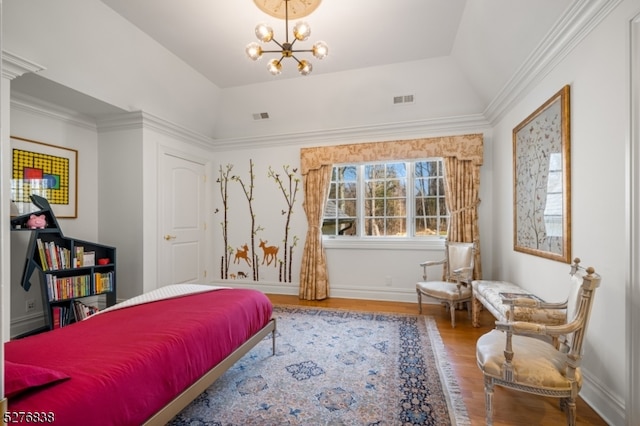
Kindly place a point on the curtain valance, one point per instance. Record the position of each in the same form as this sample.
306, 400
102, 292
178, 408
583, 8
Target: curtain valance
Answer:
462, 147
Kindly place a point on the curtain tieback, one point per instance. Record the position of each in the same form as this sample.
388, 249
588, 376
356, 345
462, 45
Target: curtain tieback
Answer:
465, 208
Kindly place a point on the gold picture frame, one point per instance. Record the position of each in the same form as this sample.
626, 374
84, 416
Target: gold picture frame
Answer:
46, 170
542, 181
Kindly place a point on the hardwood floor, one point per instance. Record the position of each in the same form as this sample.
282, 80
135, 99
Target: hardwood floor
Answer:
510, 408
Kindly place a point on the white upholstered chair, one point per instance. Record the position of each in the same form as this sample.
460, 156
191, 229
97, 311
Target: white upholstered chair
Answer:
537, 358
454, 286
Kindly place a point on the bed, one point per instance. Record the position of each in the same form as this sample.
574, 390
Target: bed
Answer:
140, 363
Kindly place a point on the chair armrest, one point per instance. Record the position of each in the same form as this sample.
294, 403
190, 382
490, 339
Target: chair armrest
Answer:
529, 328
464, 272
432, 263
527, 302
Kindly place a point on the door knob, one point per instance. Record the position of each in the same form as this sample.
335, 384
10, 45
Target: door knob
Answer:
169, 237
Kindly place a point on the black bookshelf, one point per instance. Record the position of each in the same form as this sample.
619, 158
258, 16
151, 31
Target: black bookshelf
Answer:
69, 268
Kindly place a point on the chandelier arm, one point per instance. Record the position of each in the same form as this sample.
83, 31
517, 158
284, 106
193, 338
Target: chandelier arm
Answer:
276, 42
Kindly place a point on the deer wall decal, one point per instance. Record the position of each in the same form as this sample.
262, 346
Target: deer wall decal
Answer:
242, 253
270, 253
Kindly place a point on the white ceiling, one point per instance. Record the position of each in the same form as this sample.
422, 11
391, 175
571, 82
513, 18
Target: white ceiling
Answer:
476, 47
210, 35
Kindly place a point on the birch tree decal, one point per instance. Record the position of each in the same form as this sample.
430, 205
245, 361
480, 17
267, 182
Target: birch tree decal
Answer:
223, 182
289, 188
248, 193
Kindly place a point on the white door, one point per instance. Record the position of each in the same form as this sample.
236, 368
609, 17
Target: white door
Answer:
182, 243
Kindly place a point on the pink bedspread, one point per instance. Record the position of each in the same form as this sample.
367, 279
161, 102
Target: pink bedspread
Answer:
127, 364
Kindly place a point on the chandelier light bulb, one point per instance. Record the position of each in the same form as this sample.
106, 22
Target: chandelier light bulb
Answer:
301, 31
320, 50
254, 51
274, 66
264, 33
305, 67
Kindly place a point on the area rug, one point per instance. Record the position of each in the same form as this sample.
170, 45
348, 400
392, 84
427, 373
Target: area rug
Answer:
337, 367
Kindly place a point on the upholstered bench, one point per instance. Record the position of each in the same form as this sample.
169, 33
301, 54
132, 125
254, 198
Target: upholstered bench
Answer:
488, 294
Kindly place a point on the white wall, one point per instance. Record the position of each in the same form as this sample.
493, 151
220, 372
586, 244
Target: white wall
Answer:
597, 70
357, 269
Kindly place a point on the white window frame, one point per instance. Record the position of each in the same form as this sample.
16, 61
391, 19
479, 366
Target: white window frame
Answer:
410, 241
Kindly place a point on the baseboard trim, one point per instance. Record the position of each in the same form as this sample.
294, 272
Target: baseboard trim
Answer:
603, 401
26, 323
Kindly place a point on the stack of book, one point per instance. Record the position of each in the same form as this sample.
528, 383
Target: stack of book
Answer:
68, 287
64, 315
52, 256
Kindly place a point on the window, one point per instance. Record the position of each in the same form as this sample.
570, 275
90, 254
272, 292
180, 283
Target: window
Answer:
399, 199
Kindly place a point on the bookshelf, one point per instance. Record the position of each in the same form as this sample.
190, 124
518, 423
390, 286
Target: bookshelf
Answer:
70, 269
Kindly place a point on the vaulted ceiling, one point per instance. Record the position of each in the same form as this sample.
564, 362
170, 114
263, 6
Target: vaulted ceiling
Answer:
485, 43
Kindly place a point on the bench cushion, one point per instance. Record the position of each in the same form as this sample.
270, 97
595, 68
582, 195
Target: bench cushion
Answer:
488, 294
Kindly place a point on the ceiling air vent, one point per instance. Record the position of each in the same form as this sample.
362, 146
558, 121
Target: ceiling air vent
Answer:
260, 115
405, 99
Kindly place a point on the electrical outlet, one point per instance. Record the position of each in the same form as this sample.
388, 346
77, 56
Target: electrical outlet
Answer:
388, 281
31, 305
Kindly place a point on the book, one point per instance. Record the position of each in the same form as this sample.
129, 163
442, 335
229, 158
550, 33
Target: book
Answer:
89, 258
43, 256
508, 295
56, 314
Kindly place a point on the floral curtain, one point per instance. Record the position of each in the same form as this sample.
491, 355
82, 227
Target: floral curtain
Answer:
462, 183
314, 263
316, 164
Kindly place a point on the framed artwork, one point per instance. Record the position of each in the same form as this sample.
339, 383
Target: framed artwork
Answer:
541, 181
46, 170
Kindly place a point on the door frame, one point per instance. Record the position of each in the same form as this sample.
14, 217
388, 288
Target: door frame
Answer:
206, 163
633, 229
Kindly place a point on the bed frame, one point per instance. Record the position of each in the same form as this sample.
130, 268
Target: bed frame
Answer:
180, 402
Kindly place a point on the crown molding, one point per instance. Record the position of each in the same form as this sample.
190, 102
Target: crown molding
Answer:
35, 106
144, 120
14, 66
573, 26
370, 133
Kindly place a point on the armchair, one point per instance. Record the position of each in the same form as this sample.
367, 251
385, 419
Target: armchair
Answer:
539, 358
454, 287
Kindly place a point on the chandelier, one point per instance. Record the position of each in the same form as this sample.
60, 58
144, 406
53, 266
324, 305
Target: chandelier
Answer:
301, 32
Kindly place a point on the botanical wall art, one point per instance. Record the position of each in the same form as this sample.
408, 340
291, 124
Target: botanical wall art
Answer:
46, 170
541, 186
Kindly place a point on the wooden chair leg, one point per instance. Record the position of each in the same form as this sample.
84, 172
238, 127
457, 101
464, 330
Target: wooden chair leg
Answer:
570, 411
419, 302
488, 400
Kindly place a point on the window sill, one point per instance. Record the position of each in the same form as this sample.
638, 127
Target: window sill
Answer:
337, 243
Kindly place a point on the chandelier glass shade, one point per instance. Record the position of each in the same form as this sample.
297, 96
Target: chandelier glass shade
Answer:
301, 32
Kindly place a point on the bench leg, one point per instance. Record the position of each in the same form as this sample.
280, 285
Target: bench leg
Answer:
452, 309
475, 312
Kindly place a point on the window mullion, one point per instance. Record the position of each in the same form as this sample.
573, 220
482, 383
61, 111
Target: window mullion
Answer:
360, 200
410, 201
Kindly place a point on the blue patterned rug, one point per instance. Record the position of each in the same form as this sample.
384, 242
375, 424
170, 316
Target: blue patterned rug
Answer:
335, 367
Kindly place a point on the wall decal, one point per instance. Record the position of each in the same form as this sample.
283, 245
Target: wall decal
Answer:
270, 253
242, 253
223, 181
255, 228
247, 253
290, 191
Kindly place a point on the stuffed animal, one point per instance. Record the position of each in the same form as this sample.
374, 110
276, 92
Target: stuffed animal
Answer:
37, 222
